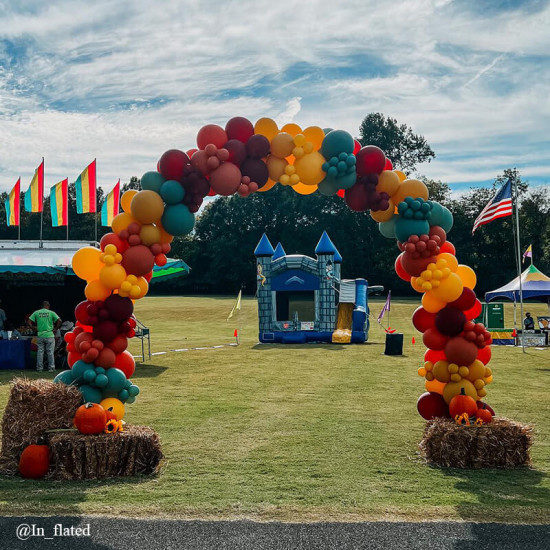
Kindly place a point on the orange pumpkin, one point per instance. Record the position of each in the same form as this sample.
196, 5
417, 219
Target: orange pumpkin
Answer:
110, 414
34, 461
482, 405
485, 415
461, 404
90, 418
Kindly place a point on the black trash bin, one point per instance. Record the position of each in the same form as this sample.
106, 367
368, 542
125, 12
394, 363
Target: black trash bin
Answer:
394, 344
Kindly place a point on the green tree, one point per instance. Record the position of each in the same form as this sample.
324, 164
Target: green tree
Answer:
402, 146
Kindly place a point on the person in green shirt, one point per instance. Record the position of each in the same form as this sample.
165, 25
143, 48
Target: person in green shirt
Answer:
45, 322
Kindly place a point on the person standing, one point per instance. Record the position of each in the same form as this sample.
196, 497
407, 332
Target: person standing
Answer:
45, 322
529, 322
3, 333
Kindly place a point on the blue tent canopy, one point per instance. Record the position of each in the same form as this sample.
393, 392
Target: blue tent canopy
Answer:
535, 286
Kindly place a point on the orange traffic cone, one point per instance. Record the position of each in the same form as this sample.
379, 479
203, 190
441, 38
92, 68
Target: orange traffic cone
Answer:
413, 340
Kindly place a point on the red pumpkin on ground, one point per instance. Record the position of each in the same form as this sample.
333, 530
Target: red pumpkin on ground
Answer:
90, 418
461, 404
34, 461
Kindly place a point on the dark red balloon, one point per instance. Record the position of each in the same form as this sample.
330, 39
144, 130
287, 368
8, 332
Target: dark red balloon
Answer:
138, 260
433, 339
119, 344
106, 331
432, 405
466, 300
239, 128
450, 321
370, 160
172, 164
119, 308
401, 273
439, 231
422, 319
356, 197
237, 151
257, 146
81, 312
415, 266
460, 351
256, 170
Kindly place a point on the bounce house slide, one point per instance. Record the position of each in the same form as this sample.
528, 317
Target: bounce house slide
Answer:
342, 334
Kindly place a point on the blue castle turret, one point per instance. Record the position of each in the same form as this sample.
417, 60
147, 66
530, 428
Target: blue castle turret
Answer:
325, 251
264, 254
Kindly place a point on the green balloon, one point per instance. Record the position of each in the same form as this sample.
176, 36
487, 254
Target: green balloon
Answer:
178, 220
79, 368
336, 142
130, 400
328, 187
89, 376
404, 228
90, 394
101, 381
440, 215
172, 192
123, 395
116, 381
388, 228
133, 390
65, 377
152, 181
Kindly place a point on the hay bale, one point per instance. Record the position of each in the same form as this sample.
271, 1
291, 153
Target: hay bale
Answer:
75, 456
34, 406
501, 444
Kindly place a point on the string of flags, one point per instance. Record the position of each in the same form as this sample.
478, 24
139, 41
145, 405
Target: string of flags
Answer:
85, 193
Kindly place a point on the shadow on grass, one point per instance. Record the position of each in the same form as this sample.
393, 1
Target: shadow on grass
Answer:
144, 370
328, 347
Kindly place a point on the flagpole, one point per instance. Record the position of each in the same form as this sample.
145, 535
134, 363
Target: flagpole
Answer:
518, 255
42, 200
95, 160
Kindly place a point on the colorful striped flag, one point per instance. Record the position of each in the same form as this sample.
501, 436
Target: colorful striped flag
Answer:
111, 206
528, 253
59, 203
34, 197
13, 205
500, 206
85, 187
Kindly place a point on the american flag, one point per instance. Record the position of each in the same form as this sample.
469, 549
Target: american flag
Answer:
500, 206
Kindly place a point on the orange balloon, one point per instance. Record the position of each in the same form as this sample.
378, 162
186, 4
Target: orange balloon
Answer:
86, 263
383, 215
122, 221
388, 182
276, 167
315, 136
165, 237
435, 386
410, 188
415, 285
266, 127
400, 175
95, 291
147, 206
450, 288
292, 129
432, 304
302, 189
467, 275
269, 185
282, 145
112, 276
452, 262
126, 199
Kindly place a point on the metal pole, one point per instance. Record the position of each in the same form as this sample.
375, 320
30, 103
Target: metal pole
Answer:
518, 253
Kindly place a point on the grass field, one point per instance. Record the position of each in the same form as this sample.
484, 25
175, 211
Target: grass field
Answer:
300, 432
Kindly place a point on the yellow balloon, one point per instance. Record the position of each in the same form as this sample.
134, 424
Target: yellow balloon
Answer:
116, 405
276, 167
165, 237
400, 175
449, 289
126, 199
432, 304
410, 188
455, 388
292, 129
302, 189
149, 234
315, 136
388, 182
86, 263
452, 262
416, 285
441, 371
269, 185
383, 215
147, 206
435, 386
468, 276
112, 276
282, 145
143, 288
122, 221
95, 291
476, 370
266, 127
309, 168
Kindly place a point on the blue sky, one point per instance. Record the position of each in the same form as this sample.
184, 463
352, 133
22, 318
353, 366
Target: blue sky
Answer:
123, 81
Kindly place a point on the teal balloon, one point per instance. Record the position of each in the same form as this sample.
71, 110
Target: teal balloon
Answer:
440, 215
79, 368
133, 390
328, 187
178, 220
388, 228
336, 142
90, 394
346, 181
99, 370
116, 381
65, 377
89, 376
123, 395
130, 400
101, 381
152, 181
327, 130
404, 228
172, 192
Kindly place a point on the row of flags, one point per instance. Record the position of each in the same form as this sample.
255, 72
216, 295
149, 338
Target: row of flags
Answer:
86, 198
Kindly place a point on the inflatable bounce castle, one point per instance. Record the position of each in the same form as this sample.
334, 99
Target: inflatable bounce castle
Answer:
303, 300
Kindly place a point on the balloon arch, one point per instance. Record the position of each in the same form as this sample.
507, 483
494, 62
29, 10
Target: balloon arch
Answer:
244, 158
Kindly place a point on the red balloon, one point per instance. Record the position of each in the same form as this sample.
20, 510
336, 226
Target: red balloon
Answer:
434, 356
212, 193
106, 358
200, 162
401, 273
370, 160
148, 276
81, 312
237, 151
172, 164
415, 266
356, 197
138, 260
388, 165
460, 351
191, 152
239, 128
450, 321
211, 133
432, 405
73, 357
341, 193
69, 337
484, 354
356, 146
119, 308
106, 331
119, 344
474, 312
125, 362
433, 339
465, 301
113, 238
226, 179
423, 320
82, 338
447, 247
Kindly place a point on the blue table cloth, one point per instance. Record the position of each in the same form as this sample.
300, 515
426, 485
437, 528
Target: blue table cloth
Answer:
14, 354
